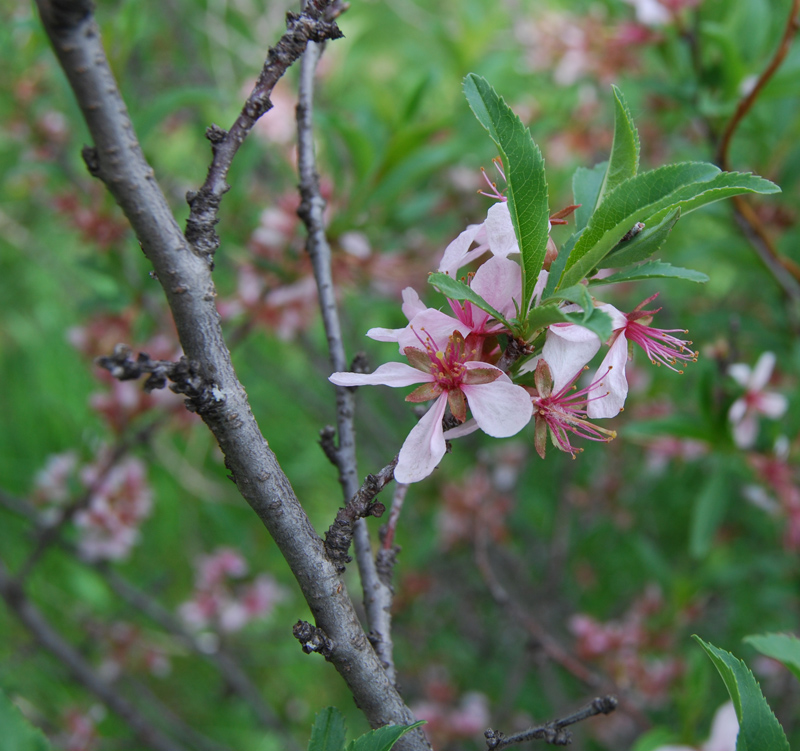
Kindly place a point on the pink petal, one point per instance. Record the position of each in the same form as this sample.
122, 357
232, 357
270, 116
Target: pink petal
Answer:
424, 447
412, 305
762, 371
724, 730
566, 350
614, 384
500, 408
740, 373
393, 374
499, 282
745, 431
459, 431
500, 230
737, 410
772, 405
454, 254
618, 320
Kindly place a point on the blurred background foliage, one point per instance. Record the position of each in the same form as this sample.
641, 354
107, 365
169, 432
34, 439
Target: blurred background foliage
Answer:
618, 555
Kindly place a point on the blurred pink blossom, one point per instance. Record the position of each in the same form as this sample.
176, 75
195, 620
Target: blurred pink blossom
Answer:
743, 414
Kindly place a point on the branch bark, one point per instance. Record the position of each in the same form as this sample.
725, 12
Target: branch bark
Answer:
216, 393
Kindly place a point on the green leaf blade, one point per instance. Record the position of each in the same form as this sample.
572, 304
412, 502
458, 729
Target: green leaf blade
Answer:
784, 648
653, 270
645, 244
759, 729
650, 197
525, 176
454, 289
624, 160
17, 733
328, 731
381, 739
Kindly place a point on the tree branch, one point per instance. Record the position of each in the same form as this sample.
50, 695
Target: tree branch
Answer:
185, 275
313, 24
377, 594
555, 731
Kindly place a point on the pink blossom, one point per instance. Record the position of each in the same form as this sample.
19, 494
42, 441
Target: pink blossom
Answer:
453, 376
660, 346
563, 412
755, 400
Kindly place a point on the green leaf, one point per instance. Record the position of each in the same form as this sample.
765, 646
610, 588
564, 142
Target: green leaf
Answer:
328, 731
558, 266
652, 270
781, 647
455, 289
17, 733
624, 161
643, 245
542, 316
759, 730
381, 739
525, 177
708, 511
650, 197
586, 184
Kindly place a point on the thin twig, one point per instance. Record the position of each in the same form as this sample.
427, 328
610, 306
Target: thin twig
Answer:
50, 639
377, 595
555, 731
313, 24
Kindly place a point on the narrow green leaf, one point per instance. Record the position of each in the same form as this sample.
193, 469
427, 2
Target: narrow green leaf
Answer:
624, 161
650, 197
381, 739
643, 245
708, 512
17, 733
542, 316
586, 184
652, 270
455, 289
759, 729
525, 177
558, 266
781, 647
328, 731
579, 294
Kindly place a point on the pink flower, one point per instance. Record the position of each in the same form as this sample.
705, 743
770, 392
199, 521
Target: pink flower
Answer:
454, 376
755, 400
659, 345
562, 412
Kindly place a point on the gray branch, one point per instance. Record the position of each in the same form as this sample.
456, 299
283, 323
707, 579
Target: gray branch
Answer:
377, 594
185, 275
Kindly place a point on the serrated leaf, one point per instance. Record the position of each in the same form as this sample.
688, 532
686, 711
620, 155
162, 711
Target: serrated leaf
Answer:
455, 289
759, 729
328, 731
784, 648
649, 198
624, 160
653, 270
17, 733
525, 177
708, 511
544, 315
381, 739
586, 184
643, 245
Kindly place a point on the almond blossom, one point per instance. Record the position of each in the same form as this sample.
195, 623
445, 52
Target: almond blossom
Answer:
453, 375
743, 414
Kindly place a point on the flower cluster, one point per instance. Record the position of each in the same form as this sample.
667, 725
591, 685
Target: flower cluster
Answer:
471, 360
220, 602
112, 500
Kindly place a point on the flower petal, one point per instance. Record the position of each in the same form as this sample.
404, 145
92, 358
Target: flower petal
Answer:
425, 446
500, 230
615, 383
470, 426
454, 254
762, 371
772, 405
566, 350
393, 374
499, 282
500, 408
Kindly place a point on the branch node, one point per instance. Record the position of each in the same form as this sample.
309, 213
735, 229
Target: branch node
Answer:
92, 160
328, 444
313, 639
